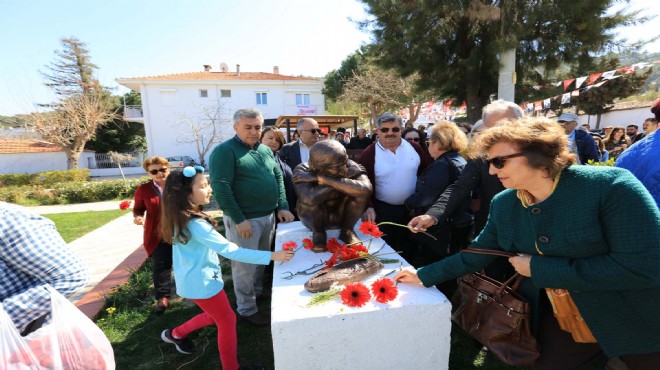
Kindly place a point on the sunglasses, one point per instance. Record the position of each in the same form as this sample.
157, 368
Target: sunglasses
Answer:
314, 131
499, 162
415, 139
155, 172
387, 129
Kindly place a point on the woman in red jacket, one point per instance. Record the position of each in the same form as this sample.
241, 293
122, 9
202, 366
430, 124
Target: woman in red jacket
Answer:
147, 198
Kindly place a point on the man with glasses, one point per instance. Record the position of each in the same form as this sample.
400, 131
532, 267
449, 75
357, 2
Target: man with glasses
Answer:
248, 185
297, 152
582, 144
392, 165
475, 176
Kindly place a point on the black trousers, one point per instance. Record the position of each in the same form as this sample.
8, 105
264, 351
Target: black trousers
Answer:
162, 274
396, 237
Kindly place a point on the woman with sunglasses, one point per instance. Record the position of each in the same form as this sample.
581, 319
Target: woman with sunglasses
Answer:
565, 224
413, 134
445, 143
147, 199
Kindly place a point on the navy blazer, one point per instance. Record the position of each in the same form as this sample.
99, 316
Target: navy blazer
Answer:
290, 154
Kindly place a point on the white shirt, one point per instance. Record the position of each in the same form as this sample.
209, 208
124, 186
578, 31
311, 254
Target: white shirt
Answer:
304, 152
396, 172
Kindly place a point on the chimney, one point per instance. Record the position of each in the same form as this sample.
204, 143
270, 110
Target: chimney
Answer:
238, 70
276, 70
207, 68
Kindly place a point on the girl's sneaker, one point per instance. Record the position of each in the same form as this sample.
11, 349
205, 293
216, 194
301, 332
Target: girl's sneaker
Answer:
185, 345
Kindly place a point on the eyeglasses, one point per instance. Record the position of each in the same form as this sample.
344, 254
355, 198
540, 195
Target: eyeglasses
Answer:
499, 162
387, 129
314, 131
155, 172
415, 139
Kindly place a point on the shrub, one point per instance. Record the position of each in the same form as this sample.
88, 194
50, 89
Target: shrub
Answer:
15, 179
50, 178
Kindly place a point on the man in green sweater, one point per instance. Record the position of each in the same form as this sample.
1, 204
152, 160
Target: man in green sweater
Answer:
247, 183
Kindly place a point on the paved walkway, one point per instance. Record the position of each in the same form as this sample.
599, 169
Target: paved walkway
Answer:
109, 251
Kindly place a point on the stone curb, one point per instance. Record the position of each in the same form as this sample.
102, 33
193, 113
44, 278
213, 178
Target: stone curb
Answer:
93, 302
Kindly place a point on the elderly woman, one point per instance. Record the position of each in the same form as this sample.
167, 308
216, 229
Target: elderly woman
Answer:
147, 199
566, 225
445, 143
274, 139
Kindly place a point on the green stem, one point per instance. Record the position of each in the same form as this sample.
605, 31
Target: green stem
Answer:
407, 227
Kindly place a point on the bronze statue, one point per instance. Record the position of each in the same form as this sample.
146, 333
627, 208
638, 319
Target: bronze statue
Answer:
333, 192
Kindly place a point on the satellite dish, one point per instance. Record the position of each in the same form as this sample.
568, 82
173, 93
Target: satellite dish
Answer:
224, 67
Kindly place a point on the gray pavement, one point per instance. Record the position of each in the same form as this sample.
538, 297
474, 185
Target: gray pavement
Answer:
104, 248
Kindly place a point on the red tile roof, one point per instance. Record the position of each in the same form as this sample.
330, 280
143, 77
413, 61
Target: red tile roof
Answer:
222, 76
8, 146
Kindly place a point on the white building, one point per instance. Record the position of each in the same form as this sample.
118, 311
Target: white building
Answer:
173, 106
32, 156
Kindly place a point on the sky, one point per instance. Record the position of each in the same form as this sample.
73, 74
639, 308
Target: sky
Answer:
148, 37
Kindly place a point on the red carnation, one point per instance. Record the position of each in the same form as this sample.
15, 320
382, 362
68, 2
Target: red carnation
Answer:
355, 295
333, 245
384, 290
124, 205
370, 228
289, 246
359, 248
307, 243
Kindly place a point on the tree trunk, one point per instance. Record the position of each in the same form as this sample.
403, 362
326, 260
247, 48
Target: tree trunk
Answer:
474, 102
598, 121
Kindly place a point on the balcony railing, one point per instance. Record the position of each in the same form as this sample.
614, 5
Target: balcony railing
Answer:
133, 111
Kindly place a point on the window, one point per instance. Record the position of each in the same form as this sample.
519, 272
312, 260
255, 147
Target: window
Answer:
203, 93
225, 93
262, 98
302, 99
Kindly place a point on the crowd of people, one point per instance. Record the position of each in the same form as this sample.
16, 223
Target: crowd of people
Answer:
508, 182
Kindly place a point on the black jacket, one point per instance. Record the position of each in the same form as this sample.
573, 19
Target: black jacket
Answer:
290, 154
475, 176
443, 172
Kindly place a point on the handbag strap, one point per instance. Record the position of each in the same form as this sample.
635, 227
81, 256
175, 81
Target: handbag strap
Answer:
516, 278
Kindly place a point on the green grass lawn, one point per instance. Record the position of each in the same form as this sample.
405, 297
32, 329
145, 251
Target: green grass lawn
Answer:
74, 225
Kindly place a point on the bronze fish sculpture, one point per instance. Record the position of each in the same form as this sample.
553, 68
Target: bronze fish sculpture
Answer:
343, 273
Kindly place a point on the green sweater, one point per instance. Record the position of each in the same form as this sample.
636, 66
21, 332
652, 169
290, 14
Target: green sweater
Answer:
247, 183
600, 237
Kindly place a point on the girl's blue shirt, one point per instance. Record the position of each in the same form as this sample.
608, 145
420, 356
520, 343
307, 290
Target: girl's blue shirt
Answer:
196, 264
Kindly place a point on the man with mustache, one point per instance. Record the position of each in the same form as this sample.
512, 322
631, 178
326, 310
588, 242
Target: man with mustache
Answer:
392, 165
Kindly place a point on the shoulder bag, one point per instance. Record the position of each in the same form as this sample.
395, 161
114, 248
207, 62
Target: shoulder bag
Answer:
493, 313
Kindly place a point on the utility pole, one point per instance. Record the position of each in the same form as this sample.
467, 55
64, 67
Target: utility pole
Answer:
506, 84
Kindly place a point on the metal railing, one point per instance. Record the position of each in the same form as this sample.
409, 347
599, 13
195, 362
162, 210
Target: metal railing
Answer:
103, 160
133, 111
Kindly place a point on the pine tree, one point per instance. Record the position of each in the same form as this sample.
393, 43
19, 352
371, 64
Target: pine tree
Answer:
72, 72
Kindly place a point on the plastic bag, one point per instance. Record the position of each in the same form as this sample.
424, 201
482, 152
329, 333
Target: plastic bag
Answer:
69, 341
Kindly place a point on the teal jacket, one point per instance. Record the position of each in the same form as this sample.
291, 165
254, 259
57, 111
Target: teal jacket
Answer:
196, 264
247, 183
599, 233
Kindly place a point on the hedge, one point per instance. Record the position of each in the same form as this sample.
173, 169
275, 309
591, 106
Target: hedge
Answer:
45, 179
71, 192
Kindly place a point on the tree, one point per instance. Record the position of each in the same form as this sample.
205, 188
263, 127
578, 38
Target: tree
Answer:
454, 45
72, 72
380, 89
120, 135
203, 131
83, 105
352, 65
74, 122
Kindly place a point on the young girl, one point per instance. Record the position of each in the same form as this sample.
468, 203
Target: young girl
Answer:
196, 266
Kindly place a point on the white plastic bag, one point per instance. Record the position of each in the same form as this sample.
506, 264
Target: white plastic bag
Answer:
71, 341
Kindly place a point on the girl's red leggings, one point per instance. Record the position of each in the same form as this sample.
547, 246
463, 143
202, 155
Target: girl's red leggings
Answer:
216, 311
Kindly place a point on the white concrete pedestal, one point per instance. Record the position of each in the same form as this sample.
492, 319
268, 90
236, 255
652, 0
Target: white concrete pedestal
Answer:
411, 332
